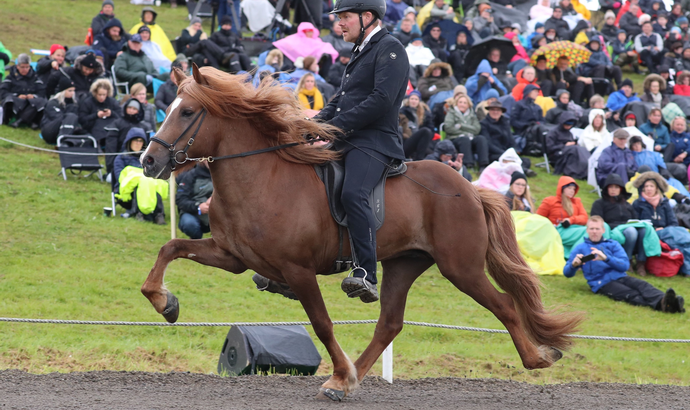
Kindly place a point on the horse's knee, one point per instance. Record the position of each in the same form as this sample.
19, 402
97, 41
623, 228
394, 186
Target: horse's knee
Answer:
389, 329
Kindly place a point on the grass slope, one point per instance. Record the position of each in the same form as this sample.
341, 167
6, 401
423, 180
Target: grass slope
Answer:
60, 258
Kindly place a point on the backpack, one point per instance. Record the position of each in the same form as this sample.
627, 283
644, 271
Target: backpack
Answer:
667, 264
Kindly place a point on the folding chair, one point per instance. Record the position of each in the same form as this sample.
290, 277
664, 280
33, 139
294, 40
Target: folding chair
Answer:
200, 9
601, 85
83, 144
544, 164
117, 84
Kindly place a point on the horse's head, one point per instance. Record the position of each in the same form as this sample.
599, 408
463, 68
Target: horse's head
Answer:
173, 144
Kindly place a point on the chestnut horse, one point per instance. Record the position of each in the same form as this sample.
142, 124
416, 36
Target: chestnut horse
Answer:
270, 214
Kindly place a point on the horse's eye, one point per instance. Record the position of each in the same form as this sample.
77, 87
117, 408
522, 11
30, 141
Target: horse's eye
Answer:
187, 113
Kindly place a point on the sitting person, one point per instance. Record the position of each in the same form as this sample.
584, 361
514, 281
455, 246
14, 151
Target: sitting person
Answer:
462, 128
616, 159
111, 41
50, 64
652, 205
609, 29
654, 86
421, 125
595, 133
445, 152
458, 52
656, 130
143, 195
566, 212
441, 11
624, 52
229, 42
496, 129
98, 110
337, 70
680, 140
483, 24
544, 79
132, 117
622, 97
498, 174
558, 23
134, 66
580, 87
335, 37
606, 275
682, 86
562, 149
650, 46
644, 157
437, 77
599, 64
418, 55
83, 73
22, 95
306, 42
614, 208
103, 17
138, 92
527, 75
61, 115
482, 81
435, 42
481, 109
194, 192
525, 114
562, 105
309, 96
167, 92
153, 50
518, 196
158, 36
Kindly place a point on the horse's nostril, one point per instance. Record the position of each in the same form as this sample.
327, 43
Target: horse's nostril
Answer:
149, 160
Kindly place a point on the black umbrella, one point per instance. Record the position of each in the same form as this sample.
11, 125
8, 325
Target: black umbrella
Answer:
480, 51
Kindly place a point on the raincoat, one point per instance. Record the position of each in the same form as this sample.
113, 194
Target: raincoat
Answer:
299, 45
539, 242
158, 35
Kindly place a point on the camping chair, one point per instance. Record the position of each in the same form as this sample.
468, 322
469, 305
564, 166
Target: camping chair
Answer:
544, 164
601, 86
68, 144
201, 9
118, 95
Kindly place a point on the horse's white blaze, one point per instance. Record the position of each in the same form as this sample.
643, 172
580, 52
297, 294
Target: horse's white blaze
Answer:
173, 107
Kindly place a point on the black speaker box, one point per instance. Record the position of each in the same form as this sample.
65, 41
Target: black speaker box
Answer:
268, 349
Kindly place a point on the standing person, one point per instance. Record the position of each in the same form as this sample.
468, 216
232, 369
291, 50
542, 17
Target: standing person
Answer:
23, 95
106, 14
366, 110
194, 192
605, 274
61, 113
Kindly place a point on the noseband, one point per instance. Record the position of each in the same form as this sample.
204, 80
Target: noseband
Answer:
174, 162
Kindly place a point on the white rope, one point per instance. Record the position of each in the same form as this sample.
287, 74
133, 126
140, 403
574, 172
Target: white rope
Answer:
335, 322
53, 151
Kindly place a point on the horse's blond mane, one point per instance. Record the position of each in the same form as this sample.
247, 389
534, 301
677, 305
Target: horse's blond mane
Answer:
271, 109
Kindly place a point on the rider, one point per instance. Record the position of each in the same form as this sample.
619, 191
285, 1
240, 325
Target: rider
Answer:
366, 109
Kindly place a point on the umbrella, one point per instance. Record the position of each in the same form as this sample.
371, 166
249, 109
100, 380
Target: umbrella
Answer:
480, 51
576, 53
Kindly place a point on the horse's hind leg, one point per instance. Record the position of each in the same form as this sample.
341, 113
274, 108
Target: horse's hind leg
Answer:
472, 280
204, 251
398, 276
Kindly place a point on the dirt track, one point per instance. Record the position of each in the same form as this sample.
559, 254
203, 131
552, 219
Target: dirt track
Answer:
125, 390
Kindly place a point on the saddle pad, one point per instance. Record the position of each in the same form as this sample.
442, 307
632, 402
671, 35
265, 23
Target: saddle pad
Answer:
333, 174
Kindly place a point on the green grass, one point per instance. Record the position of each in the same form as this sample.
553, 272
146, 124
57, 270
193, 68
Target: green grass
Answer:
61, 258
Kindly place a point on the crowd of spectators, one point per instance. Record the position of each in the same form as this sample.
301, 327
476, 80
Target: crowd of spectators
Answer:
490, 83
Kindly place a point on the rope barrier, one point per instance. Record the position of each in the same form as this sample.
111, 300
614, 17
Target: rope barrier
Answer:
52, 151
335, 322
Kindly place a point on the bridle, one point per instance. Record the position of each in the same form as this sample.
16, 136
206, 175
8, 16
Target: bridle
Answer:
174, 155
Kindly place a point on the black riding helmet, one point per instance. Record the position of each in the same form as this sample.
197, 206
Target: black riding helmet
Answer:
376, 7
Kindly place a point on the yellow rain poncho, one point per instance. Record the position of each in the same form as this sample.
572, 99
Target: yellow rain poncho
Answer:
132, 178
539, 243
158, 35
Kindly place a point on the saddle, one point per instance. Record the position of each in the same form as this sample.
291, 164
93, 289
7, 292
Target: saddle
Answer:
333, 175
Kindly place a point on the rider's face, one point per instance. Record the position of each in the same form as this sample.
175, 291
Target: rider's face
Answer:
349, 23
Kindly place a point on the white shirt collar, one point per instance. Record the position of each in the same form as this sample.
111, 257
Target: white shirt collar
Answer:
366, 40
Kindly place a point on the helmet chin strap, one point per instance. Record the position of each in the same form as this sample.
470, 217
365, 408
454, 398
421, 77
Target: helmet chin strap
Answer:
363, 29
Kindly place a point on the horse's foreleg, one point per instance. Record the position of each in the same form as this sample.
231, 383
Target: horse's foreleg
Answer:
204, 251
398, 276
344, 379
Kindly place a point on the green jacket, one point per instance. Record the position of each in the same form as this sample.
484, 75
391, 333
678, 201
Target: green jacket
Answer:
2, 61
468, 124
134, 68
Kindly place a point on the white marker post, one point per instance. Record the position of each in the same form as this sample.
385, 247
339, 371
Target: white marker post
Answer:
387, 358
173, 213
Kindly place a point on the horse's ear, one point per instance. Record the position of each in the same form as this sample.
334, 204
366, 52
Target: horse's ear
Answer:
179, 75
198, 77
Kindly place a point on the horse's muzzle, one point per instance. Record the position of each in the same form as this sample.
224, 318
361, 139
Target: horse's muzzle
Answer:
155, 168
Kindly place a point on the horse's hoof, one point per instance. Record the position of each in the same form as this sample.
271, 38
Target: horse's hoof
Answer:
330, 394
554, 354
172, 309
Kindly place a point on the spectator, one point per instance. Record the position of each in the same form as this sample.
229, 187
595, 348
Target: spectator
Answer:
619, 99
138, 92
335, 38
167, 92
563, 151
518, 196
525, 113
653, 87
609, 29
685, 61
649, 46
495, 128
309, 96
23, 95
195, 44
599, 64
134, 66
306, 42
5, 57
458, 52
563, 76
158, 36
676, 14
481, 108
98, 110
595, 133
410, 14
550, 34
482, 81
564, 206
556, 22
106, 14
520, 59
85, 71
682, 86
562, 101
111, 41
616, 158
674, 57
438, 77
405, 34
194, 193
61, 115
606, 275
680, 140
462, 128
153, 50
144, 193
644, 157
498, 67
440, 11
420, 123
629, 21
624, 52
335, 73
117, 131
543, 76
445, 152
417, 54
656, 130
484, 24
541, 11
435, 42
231, 43
50, 64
